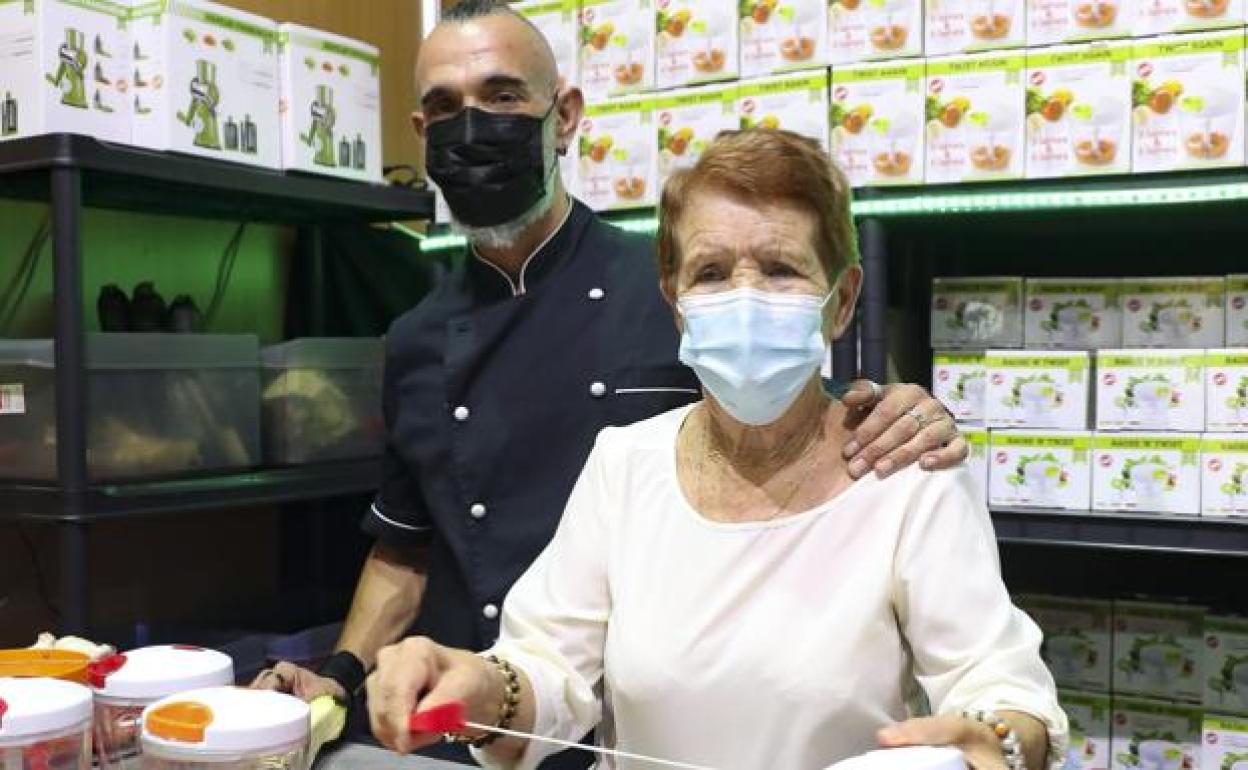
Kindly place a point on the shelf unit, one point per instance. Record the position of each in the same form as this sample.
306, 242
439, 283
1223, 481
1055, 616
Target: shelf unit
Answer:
71, 172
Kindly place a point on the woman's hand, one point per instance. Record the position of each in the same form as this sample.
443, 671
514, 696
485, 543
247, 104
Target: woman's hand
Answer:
977, 742
896, 425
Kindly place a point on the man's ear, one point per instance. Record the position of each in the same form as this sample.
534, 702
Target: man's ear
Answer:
569, 108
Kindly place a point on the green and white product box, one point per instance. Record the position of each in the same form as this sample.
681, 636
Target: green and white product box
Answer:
877, 123
1078, 639
695, 42
1155, 735
782, 36
1151, 390
65, 67
1159, 650
1224, 475
1040, 469
1146, 473
959, 380
874, 30
331, 104
206, 82
1226, 389
969, 26
1079, 110
975, 118
1173, 312
1237, 310
977, 459
557, 21
1188, 96
1072, 313
977, 313
617, 47
1160, 17
1050, 22
1225, 743
1037, 389
688, 120
616, 150
797, 102
1226, 667
1089, 716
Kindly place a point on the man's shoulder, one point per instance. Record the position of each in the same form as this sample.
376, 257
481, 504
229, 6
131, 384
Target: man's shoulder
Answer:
427, 315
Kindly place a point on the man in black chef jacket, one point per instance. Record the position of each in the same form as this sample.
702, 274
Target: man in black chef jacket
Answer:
497, 383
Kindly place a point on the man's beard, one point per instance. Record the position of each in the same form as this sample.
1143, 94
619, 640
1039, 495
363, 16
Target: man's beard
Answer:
504, 236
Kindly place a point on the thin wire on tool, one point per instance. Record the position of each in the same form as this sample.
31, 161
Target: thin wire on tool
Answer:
583, 747
225, 271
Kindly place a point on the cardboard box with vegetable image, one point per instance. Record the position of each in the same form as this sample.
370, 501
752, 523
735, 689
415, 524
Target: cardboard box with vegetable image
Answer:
1146, 473
1073, 313
695, 42
1226, 389
1237, 310
688, 120
1052, 22
877, 123
617, 168
974, 110
1037, 389
1155, 734
1224, 484
617, 41
959, 381
1188, 102
1045, 469
1160, 17
977, 459
1150, 390
977, 313
1225, 743
1226, 670
1159, 650
874, 30
1180, 312
782, 35
557, 21
971, 26
797, 102
1078, 639
1090, 718
1079, 110
64, 67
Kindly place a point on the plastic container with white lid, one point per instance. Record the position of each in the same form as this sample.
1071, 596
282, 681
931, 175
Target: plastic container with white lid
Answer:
226, 728
44, 723
913, 758
138, 679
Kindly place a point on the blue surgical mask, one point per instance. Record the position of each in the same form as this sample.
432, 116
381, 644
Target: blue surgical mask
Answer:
753, 350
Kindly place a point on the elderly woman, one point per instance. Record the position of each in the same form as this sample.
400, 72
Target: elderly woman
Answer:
720, 590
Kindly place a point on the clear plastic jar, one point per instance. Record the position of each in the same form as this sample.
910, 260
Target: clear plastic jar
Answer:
68, 749
293, 756
118, 724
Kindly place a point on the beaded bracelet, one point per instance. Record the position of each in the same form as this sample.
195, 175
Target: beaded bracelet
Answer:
1011, 746
506, 710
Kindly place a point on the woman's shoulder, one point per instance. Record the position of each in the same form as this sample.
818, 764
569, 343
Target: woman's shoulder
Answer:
952, 487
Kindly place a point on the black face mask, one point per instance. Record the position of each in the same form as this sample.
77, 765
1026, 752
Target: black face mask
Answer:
491, 166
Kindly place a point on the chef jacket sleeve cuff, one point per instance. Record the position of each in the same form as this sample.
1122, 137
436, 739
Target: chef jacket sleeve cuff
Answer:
394, 526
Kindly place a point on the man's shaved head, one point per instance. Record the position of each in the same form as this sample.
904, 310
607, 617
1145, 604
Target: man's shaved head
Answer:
501, 19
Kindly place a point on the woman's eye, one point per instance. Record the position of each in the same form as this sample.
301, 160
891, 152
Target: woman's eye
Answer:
781, 270
708, 273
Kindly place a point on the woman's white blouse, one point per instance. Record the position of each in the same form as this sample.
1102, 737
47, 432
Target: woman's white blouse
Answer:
783, 644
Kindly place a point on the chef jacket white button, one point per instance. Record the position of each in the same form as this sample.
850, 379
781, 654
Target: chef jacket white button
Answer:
477, 511
596, 293
490, 611
597, 390
461, 413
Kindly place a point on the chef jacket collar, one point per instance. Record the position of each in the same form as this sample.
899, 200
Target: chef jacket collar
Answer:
485, 274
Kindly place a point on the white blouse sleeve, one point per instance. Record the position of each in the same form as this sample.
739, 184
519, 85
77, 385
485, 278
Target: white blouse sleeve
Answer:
972, 648
554, 619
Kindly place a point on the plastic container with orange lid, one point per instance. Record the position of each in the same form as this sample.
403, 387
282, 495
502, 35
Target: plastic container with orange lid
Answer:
56, 664
226, 728
126, 684
45, 724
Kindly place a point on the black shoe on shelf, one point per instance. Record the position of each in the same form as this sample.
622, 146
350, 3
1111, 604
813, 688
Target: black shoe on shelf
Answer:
184, 316
147, 309
113, 309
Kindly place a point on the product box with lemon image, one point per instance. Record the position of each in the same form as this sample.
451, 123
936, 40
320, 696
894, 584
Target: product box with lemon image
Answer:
1089, 715
1072, 313
557, 21
1037, 389
1146, 473
1224, 476
617, 168
617, 47
1187, 96
1052, 22
1040, 469
696, 42
1237, 310
959, 380
1159, 650
877, 123
1150, 390
1225, 743
977, 457
1079, 110
688, 120
206, 82
1226, 389
975, 118
797, 102
977, 313
782, 35
970, 26
1078, 638
1173, 312
1226, 670
64, 67
874, 30
1150, 734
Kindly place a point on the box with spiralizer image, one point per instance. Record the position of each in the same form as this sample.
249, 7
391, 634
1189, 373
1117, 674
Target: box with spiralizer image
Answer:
1053, 22
616, 166
1226, 389
782, 36
1072, 313
557, 21
1224, 475
874, 30
1151, 390
977, 459
1078, 639
1226, 666
1146, 473
959, 380
1173, 312
1090, 731
1159, 650
616, 48
975, 118
1079, 110
1225, 743
1154, 734
1237, 311
206, 82
1188, 100
688, 119
1039, 469
877, 123
977, 313
64, 67
1037, 389
331, 104
696, 42
796, 102
969, 26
